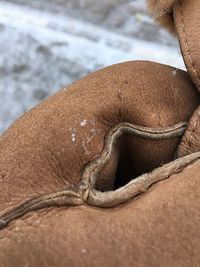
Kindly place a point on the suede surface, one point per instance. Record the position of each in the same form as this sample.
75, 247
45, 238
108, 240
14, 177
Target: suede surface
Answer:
48, 148
159, 228
190, 142
182, 17
187, 19
162, 11
67, 165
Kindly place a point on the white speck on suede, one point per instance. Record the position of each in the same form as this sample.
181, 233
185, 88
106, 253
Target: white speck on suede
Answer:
83, 123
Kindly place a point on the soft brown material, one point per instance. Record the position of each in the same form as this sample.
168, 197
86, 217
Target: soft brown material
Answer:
50, 145
182, 17
106, 172
190, 142
82, 147
162, 11
160, 7
187, 21
159, 228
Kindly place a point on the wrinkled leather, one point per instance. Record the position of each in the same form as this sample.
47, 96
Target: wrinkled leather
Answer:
48, 215
190, 142
159, 228
38, 154
182, 17
44, 152
187, 20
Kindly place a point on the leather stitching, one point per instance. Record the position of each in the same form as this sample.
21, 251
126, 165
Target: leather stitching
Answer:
145, 132
105, 200
82, 193
194, 129
57, 199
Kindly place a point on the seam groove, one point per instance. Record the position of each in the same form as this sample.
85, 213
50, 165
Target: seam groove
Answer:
82, 193
145, 132
194, 129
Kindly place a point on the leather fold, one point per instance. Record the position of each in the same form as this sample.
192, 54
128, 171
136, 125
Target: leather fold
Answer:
187, 21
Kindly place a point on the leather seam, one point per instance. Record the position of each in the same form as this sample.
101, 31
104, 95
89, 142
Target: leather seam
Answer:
194, 129
91, 167
9, 217
76, 196
139, 185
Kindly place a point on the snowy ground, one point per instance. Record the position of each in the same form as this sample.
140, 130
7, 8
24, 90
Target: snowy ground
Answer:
46, 45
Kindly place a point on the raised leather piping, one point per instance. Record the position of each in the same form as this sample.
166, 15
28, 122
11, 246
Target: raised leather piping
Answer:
84, 192
195, 126
189, 142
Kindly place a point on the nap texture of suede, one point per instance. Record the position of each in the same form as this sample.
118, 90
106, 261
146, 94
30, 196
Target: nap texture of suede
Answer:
187, 21
106, 172
190, 142
162, 11
182, 17
159, 228
48, 149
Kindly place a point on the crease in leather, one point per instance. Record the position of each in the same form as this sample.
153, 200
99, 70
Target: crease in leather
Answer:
189, 142
171, 15
194, 128
185, 47
85, 191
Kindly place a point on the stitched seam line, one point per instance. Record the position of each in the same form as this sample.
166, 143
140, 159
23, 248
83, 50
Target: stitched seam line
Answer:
190, 142
75, 197
108, 145
187, 43
95, 200
42, 202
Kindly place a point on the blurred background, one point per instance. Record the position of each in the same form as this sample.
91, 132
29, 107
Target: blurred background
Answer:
46, 45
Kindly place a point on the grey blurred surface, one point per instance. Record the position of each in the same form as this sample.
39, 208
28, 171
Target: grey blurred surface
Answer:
46, 45
123, 16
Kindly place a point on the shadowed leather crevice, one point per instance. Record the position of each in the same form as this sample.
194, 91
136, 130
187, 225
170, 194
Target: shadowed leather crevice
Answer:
85, 192
93, 169
157, 98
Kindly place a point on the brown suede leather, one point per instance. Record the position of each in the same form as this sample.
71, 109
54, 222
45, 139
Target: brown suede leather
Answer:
182, 17
187, 20
45, 155
41, 146
162, 11
190, 142
100, 175
159, 228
